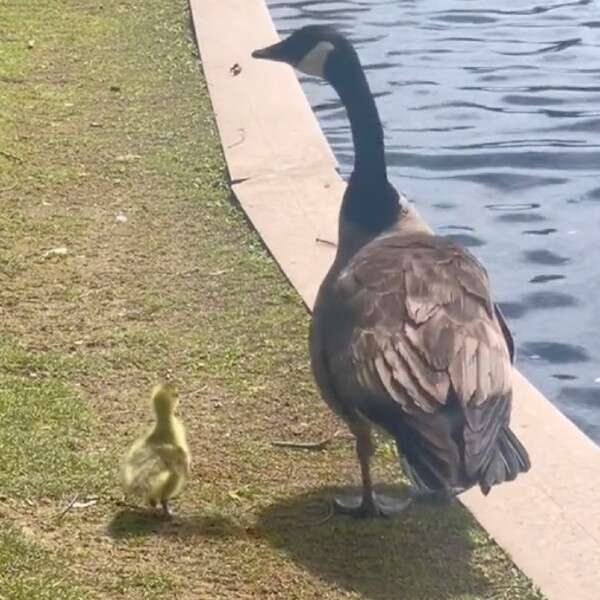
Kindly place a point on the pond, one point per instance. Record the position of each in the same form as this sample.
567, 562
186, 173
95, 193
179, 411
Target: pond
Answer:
492, 119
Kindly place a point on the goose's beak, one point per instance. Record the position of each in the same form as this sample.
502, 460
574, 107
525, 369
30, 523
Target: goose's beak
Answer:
274, 52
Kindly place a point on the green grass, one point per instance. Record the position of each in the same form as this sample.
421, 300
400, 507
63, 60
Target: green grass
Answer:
43, 428
29, 573
106, 114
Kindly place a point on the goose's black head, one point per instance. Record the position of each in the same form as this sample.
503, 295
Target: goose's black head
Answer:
314, 50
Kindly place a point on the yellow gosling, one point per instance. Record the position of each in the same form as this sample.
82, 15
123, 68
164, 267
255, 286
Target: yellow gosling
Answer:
158, 463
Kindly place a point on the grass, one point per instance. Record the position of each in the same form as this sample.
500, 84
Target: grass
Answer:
30, 573
108, 148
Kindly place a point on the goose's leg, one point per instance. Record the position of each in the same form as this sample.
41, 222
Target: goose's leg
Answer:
361, 505
368, 504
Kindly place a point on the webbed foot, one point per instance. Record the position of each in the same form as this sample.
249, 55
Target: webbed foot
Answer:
167, 512
377, 505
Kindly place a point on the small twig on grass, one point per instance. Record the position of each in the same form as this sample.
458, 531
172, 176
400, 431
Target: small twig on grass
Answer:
303, 445
306, 445
326, 518
11, 79
185, 273
11, 156
198, 270
75, 503
70, 504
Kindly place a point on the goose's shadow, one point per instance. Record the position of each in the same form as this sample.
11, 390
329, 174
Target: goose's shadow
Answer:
423, 554
132, 522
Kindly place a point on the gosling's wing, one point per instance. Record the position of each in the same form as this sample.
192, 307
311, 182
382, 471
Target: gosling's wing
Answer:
180, 440
141, 465
426, 338
174, 458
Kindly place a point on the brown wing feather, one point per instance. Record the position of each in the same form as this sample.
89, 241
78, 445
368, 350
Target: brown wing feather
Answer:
424, 330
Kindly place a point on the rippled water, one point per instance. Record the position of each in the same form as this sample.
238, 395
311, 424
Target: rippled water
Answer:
492, 120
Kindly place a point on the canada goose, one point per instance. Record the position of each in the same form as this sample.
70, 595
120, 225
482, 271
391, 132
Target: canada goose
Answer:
404, 334
158, 463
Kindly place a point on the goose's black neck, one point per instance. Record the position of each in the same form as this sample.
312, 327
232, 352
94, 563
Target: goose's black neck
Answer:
370, 200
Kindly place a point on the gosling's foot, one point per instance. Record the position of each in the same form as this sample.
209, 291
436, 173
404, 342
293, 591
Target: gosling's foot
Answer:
166, 510
377, 505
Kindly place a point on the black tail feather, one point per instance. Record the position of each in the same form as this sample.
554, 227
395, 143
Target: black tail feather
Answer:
508, 459
506, 463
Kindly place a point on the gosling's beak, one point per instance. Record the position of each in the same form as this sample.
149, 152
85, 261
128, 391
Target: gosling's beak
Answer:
274, 52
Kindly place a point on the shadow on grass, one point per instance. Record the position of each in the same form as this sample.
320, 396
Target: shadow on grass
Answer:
424, 553
132, 522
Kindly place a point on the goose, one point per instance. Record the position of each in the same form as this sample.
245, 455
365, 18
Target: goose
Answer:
404, 335
158, 463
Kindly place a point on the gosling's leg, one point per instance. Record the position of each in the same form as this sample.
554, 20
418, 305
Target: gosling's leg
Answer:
368, 504
167, 511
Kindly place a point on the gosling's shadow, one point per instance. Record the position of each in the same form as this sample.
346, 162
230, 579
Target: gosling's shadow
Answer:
132, 522
423, 553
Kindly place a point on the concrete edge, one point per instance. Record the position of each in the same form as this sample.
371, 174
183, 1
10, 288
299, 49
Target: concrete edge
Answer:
285, 179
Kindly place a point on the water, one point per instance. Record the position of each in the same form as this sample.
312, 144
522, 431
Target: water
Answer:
492, 120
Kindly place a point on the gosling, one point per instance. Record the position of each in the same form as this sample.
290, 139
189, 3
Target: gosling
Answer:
158, 463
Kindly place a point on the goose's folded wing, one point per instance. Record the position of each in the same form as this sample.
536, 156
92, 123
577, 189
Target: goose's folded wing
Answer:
425, 330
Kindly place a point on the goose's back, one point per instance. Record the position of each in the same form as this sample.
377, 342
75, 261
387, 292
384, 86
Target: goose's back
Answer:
407, 335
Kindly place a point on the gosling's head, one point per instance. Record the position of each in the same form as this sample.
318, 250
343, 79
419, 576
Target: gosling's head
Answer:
317, 50
164, 400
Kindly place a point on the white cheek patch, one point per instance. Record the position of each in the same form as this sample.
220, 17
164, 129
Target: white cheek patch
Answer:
313, 62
